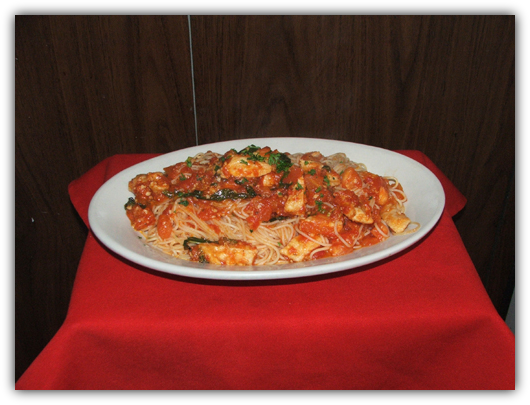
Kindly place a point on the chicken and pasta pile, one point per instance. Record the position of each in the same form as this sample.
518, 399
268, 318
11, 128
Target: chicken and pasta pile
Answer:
260, 206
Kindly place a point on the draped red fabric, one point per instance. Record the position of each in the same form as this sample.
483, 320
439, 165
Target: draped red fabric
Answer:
420, 320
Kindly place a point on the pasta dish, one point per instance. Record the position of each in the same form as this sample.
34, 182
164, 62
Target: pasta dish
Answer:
260, 206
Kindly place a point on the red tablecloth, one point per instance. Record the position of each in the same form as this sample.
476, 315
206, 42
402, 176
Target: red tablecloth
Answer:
420, 320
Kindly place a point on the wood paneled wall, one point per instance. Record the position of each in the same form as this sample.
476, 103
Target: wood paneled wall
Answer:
88, 87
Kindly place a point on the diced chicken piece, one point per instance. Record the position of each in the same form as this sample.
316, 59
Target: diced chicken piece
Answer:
240, 166
361, 216
320, 224
333, 178
350, 179
242, 254
296, 200
270, 180
150, 186
308, 165
350, 206
317, 155
382, 198
357, 214
310, 161
312, 156
298, 248
396, 220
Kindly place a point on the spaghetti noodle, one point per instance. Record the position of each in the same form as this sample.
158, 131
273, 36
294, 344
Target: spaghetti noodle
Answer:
260, 206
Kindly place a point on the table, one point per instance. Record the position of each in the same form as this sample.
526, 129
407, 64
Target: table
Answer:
420, 320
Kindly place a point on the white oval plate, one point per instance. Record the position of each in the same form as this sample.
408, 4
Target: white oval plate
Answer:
425, 194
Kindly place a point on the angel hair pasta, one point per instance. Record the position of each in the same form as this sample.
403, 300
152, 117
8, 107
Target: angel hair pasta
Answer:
260, 206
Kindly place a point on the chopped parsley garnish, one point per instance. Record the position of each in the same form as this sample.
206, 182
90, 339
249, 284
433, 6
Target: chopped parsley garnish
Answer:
312, 172
182, 177
278, 218
220, 195
228, 194
168, 194
184, 203
130, 203
319, 206
326, 180
249, 150
281, 161
195, 241
188, 161
256, 158
298, 186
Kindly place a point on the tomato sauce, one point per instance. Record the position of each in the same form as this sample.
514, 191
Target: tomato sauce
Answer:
140, 218
338, 206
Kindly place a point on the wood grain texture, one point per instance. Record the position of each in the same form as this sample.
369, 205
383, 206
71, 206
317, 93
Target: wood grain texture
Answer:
88, 87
